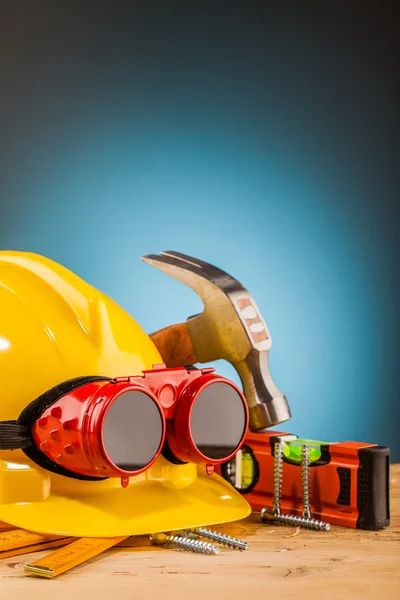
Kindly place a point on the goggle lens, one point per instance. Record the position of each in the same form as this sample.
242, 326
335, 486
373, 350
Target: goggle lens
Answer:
132, 431
218, 421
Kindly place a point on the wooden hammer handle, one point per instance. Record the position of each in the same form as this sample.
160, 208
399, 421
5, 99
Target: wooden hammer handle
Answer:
174, 345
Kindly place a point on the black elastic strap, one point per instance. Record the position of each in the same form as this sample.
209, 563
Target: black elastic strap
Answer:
36, 408
14, 436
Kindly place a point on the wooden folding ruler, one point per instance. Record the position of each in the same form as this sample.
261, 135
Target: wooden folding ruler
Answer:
73, 553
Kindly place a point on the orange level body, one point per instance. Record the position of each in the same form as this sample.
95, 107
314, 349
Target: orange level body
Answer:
349, 482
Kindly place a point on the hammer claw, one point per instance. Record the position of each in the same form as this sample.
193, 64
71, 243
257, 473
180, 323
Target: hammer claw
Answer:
196, 262
177, 263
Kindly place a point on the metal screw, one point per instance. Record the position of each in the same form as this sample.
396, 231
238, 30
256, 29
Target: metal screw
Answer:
183, 543
275, 514
278, 473
219, 538
267, 515
305, 481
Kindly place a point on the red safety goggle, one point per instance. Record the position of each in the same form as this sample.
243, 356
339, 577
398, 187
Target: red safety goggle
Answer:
94, 427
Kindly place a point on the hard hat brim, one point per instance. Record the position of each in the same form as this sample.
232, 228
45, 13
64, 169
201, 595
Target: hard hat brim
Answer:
143, 507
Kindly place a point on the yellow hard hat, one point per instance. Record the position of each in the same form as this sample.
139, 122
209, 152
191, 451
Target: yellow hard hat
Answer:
54, 328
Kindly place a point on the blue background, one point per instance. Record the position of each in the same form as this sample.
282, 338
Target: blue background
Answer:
255, 137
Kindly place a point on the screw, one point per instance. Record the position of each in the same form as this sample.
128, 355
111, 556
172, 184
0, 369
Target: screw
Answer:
275, 514
218, 538
278, 468
305, 481
267, 515
182, 543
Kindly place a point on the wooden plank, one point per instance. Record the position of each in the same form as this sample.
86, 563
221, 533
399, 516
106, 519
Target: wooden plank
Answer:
344, 563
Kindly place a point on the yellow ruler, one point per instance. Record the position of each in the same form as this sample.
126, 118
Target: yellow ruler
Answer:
142, 542
6, 526
70, 556
20, 538
36, 547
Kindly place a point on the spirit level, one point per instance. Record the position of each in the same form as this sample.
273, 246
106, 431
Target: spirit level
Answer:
349, 480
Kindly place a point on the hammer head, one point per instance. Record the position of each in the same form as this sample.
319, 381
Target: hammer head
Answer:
230, 327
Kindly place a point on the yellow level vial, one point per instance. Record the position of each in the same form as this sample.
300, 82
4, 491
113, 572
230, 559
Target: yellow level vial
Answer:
71, 556
20, 538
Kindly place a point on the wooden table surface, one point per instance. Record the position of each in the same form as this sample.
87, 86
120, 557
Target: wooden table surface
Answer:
344, 563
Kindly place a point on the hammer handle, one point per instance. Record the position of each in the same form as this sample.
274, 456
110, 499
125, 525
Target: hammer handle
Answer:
174, 345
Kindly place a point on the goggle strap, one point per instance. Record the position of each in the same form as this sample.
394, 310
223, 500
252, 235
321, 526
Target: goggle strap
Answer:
35, 409
14, 436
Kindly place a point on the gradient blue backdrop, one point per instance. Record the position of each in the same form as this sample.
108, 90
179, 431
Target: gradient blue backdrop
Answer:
259, 140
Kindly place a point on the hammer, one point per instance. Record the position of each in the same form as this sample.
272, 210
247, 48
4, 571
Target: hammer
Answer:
230, 327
